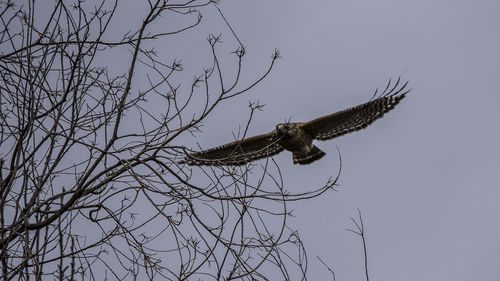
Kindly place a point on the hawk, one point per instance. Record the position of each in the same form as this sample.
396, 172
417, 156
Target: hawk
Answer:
298, 137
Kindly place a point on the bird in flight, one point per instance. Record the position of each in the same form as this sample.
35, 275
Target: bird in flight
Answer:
298, 137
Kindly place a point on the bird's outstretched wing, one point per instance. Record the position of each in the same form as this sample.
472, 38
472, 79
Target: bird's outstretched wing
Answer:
356, 118
237, 152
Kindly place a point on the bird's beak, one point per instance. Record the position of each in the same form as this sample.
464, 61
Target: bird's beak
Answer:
280, 130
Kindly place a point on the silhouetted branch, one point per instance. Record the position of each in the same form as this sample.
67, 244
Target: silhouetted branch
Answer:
327, 267
90, 184
360, 230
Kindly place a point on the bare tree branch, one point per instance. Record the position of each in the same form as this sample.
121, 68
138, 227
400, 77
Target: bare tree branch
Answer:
360, 230
90, 184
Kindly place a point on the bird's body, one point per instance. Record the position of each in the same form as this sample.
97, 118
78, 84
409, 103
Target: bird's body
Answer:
293, 137
298, 137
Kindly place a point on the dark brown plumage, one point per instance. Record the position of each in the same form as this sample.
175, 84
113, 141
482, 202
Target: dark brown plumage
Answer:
298, 137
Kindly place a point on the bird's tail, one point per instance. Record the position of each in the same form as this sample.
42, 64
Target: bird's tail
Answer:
307, 157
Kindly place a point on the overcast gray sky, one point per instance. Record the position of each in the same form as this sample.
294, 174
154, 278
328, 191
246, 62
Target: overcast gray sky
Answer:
426, 175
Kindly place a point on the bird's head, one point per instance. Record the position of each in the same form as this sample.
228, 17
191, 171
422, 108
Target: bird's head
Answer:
285, 129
